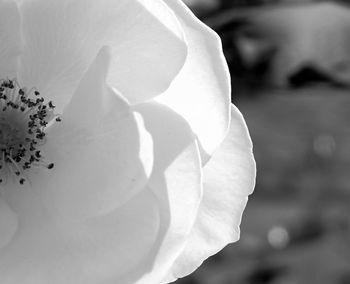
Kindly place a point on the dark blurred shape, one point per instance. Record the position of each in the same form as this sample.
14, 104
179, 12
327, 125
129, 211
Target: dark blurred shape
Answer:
279, 44
307, 76
265, 274
203, 8
344, 278
225, 4
309, 230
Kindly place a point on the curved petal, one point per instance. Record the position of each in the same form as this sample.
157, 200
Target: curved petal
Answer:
102, 153
229, 177
8, 223
201, 92
10, 38
95, 251
176, 181
63, 37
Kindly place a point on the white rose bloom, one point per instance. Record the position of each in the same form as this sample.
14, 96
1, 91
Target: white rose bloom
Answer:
130, 165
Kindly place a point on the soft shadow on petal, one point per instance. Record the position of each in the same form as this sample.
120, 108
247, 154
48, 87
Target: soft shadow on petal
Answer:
229, 177
96, 251
10, 38
201, 92
8, 223
176, 181
63, 37
103, 155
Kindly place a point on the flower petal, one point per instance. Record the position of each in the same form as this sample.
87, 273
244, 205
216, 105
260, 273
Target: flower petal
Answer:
102, 153
98, 250
10, 38
63, 37
176, 181
229, 177
8, 223
201, 91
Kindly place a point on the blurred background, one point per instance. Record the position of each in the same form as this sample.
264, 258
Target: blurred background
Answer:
290, 68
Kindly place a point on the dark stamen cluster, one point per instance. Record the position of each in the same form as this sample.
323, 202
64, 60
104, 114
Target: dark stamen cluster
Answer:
23, 118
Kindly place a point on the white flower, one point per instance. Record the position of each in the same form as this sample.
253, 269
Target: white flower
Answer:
152, 166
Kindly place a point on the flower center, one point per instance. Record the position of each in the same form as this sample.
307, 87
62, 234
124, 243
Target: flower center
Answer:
24, 116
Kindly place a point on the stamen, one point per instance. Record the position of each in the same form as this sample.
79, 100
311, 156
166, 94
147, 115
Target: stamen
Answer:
24, 117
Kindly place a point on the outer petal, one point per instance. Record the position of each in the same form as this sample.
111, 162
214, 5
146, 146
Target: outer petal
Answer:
96, 251
63, 37
102, 153
10, 38
229, 177
176, 181
201, 92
